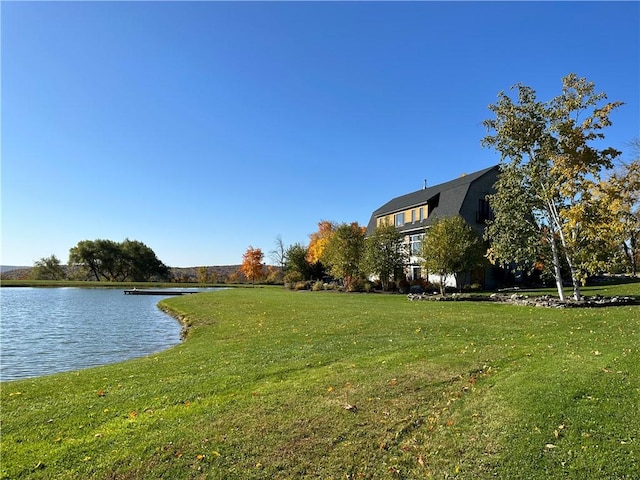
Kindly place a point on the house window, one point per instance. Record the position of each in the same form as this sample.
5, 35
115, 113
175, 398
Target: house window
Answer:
415, 244
399, 219
413, 216
484, 212
421, 214
416, 272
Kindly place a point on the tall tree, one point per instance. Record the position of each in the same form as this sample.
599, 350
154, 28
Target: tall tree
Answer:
139, 262
548, 165
48, 268
344, 253
279, 253
385, 253
252, 266
117, 262
297, 261
451, 247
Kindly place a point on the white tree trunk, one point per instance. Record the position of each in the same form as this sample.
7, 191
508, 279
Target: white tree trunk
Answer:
557, 273
557, 224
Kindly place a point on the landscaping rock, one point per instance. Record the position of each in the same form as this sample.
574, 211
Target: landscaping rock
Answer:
545, 301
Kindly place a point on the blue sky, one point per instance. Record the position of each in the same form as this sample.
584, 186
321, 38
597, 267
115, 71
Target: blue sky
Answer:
200, 128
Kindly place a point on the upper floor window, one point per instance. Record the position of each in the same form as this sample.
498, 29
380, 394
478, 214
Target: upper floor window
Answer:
415, 244
421, 214
484, 212
399, 219
413, 216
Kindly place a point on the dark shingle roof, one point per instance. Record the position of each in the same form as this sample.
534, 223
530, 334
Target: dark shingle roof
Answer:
446, 200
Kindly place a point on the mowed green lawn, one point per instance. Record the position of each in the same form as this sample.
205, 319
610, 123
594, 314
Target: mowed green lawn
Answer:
275, 384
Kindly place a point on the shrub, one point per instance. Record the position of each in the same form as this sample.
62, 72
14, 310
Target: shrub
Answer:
474, 287
357, 285
302, 285
317, 286
423, 283
292, 276
274, 276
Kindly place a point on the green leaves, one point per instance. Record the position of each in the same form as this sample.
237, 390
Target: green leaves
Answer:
385, 253
450, 246
548, 170
116, 262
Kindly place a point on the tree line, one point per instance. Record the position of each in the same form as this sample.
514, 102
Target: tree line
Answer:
344, 253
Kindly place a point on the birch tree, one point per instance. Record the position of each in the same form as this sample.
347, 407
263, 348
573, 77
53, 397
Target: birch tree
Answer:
549, 164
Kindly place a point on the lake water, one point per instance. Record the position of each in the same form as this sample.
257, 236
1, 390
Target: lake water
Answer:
49, 330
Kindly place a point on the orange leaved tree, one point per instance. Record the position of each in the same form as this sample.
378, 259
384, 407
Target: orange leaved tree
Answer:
252, 266
319, 240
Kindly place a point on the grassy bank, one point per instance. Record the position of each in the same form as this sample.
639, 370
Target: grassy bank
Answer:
279, 384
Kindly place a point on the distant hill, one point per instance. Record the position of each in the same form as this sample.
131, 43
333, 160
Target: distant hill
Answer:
218, 273
8, 268
14, 273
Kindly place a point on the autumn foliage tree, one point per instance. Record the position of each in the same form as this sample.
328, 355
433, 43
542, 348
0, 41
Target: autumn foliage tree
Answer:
548, 168
319, 240
344, 253
615, 210
252, 266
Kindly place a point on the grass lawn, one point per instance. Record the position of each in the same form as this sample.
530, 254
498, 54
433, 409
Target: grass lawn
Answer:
275, 384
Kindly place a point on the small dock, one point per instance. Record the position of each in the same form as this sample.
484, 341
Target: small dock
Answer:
146, 291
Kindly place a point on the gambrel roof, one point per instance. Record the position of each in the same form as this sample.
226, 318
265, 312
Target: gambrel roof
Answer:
444, 200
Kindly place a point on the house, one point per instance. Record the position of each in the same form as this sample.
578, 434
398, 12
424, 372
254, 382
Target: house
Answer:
413, 212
